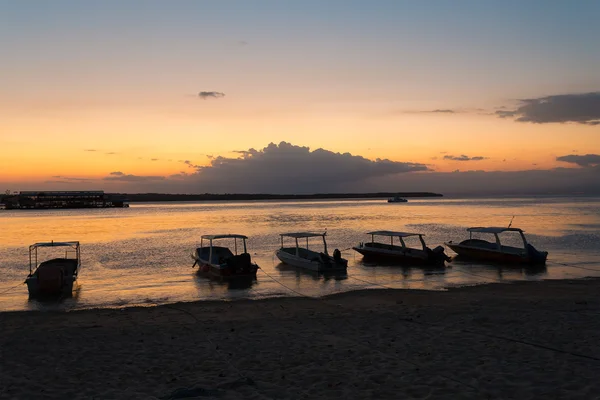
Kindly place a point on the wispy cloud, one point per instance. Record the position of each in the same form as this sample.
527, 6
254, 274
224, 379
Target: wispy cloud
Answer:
208, 95
90, 150
464, 157
435, 111
587, 160
442, 111
577, 108
66, 179
190, 164
122, 177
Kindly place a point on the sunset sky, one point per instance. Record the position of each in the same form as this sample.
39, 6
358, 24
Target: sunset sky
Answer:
187, 96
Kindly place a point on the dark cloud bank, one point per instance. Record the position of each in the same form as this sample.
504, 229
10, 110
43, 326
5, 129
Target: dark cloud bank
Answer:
288, 169
577, 108
277, 168
285, 168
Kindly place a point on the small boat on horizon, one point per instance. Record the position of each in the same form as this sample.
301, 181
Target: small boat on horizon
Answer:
309, 259
479, 249
56, 276
397, 199
401, 252
220, 262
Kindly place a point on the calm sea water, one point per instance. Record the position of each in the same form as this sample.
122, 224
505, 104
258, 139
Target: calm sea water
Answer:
140, 255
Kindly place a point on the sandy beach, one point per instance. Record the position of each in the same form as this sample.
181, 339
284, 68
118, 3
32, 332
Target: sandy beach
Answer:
525, 340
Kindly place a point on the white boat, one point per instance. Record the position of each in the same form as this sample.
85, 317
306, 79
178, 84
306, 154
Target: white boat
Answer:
220, 262
56, 276
495, 251
400, 252
397, 199
309, 259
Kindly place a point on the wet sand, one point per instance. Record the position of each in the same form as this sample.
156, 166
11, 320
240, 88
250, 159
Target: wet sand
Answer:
526, 340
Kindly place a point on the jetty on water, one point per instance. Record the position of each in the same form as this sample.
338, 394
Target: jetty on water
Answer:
68, 199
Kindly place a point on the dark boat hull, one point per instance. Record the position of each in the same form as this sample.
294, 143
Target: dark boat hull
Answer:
233, 267
316, 262
211, 271
54, 277
400, 258
474, 253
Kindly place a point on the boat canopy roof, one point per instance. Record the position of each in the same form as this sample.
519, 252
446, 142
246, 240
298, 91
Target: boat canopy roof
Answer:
298, 235
392, 233
226, 236
54, 244
493, 229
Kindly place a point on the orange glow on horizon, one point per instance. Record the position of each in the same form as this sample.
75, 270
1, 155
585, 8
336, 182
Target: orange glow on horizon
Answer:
91, 143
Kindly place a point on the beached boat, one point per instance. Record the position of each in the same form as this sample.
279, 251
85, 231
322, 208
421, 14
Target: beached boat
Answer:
400, 252
397, 199
56, 276
312, 260
494, 251
220, 262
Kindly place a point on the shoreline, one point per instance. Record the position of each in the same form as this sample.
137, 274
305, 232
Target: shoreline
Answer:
148, 303
524, 340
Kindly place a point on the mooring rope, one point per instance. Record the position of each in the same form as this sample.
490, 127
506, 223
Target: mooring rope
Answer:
11, 288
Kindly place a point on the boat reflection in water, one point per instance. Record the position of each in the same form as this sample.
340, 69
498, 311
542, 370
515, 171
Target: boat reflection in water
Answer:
286, 269
216, 286
498, 270
406, 269
65, 302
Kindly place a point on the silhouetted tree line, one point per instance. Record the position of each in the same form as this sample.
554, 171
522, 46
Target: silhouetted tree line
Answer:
142, 197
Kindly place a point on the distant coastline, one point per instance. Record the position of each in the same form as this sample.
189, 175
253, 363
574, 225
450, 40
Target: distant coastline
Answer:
152, 197
98, 199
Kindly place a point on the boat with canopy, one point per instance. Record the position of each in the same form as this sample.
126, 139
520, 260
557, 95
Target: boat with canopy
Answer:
397, 199
304, 257
56, 276
475, 248
400, 251
220, 262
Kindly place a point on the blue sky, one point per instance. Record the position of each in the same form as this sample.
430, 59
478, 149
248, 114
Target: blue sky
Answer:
486, 48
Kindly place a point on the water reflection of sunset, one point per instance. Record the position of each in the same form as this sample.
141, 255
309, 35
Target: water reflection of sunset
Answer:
141, 254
